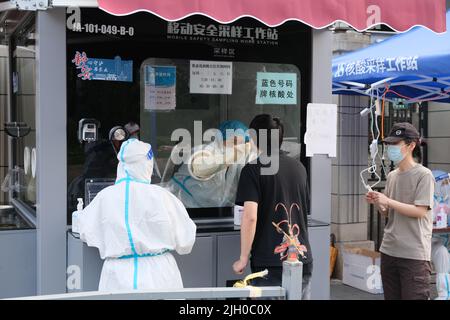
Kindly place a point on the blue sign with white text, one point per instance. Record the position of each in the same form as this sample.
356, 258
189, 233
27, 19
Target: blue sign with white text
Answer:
160, 76
103, 69
111, 69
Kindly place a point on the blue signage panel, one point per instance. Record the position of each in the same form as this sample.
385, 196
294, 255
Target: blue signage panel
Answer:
103, 69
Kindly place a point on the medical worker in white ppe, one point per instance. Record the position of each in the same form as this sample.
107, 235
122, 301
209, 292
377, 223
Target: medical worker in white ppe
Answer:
136, 225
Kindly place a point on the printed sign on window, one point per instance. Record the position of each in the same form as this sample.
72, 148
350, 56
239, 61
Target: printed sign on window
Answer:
276, 88
211, 77
160, 87
103, 69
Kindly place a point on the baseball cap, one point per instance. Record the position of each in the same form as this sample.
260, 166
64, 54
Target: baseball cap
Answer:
402, 131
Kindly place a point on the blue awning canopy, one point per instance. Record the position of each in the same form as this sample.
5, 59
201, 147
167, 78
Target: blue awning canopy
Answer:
414, 66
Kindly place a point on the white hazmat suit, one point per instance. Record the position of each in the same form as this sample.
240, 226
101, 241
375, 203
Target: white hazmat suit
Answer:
136, 225
441, 261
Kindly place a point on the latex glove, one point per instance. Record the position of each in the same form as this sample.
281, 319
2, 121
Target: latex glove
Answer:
204, 164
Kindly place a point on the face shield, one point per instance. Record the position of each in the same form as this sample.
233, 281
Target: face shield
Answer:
118, 135
442, 190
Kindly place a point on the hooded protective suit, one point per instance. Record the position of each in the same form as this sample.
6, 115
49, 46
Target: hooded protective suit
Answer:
441, 261
135, 225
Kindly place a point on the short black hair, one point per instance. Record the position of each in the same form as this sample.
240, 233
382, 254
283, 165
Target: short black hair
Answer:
269, 123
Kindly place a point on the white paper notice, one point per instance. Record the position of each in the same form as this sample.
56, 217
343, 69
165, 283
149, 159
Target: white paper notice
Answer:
321, 129
160, 88
211, 77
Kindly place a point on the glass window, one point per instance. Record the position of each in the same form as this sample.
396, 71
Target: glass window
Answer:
169, 105
22, 125
150, 45
17, 123
4, 97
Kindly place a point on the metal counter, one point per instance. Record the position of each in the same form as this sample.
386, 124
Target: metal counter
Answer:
17, 255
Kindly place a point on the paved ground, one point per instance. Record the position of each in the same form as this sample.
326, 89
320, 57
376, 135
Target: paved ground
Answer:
339, 291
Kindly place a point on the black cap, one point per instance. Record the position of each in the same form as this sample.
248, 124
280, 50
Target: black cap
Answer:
402, 131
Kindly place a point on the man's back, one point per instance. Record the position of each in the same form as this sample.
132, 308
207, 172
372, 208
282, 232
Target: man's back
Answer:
283, 199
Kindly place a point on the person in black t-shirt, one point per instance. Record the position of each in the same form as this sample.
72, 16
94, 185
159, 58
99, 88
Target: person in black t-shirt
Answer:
276, 206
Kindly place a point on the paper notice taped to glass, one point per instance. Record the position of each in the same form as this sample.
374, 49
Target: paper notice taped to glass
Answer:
276, 88
160, 88
211, 77
321, 129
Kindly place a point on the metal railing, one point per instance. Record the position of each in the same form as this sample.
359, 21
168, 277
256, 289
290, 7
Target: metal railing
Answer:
291, 289
186, 293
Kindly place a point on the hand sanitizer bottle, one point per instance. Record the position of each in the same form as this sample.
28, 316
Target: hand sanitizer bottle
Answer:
75, 214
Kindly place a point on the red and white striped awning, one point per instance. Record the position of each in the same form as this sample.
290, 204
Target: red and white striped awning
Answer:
400, 15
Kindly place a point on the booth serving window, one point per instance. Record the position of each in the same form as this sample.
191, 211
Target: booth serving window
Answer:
178, 93
162, 76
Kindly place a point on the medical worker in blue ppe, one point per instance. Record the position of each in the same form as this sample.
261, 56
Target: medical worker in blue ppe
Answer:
210, 177
136, 225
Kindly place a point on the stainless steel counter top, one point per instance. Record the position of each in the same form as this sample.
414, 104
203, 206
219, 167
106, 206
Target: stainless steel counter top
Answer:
224, 225
227, 225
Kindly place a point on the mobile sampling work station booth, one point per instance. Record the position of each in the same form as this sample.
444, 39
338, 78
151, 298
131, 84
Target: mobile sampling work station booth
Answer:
72, 70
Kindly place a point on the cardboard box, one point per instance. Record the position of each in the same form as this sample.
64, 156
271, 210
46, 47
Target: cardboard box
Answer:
362, 269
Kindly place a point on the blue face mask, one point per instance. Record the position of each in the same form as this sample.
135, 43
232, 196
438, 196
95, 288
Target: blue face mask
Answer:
395, 154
